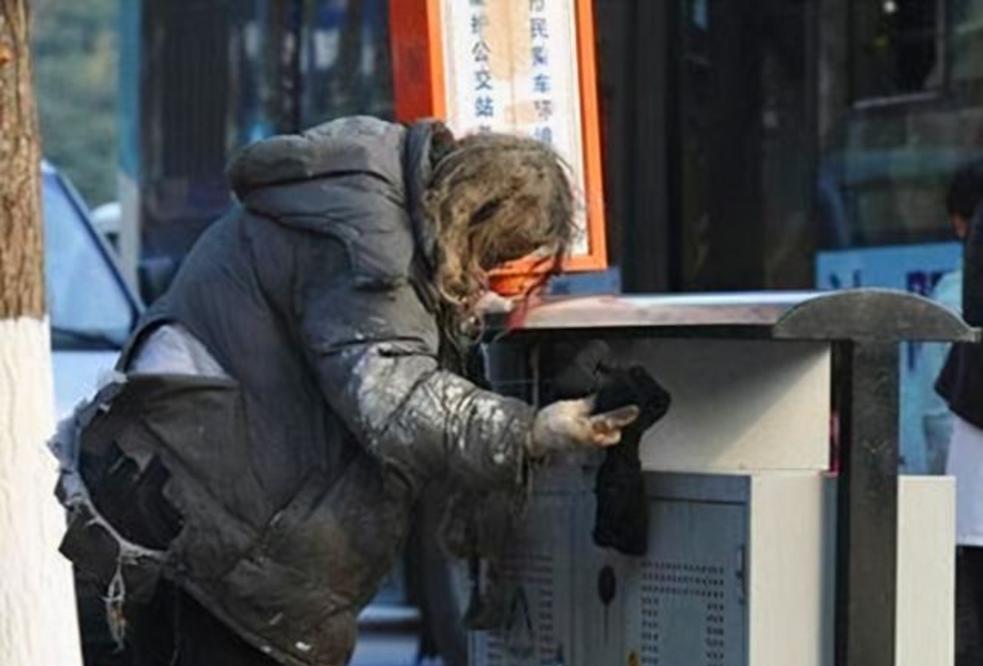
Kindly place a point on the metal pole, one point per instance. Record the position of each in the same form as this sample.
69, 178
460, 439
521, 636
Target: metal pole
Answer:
867, 507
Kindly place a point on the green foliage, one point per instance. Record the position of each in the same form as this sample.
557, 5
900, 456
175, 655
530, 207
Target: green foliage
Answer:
75, 71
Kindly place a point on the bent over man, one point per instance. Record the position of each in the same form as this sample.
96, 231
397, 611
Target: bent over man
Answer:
243, 486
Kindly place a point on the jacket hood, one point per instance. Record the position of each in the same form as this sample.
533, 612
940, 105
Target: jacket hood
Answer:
426, 143
353, 145
349, 175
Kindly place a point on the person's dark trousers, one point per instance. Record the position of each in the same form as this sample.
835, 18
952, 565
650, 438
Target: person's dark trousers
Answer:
969, 606
175, 630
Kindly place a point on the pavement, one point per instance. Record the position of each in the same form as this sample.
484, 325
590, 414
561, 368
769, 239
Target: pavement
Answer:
380, 649
388, 635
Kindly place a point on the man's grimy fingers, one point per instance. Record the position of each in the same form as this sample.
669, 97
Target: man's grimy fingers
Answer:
605, 439
615, 419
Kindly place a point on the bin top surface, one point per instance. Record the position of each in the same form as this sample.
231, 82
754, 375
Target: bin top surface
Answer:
851, 314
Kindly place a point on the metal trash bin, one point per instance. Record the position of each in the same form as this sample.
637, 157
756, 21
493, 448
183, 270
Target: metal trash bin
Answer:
757, 553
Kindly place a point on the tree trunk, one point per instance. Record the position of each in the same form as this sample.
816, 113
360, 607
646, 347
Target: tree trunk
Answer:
38, 624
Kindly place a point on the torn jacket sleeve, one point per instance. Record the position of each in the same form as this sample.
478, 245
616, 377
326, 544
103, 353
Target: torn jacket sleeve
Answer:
375, 356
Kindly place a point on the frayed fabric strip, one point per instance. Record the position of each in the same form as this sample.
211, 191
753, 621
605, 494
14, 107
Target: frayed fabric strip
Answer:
85, 519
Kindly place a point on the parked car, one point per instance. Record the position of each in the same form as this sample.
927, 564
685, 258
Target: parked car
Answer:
91, 308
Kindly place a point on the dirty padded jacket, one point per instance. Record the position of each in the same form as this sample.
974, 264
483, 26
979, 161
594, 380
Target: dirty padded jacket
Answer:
295, 478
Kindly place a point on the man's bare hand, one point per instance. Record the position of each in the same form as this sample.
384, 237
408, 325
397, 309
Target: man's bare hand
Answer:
568, 425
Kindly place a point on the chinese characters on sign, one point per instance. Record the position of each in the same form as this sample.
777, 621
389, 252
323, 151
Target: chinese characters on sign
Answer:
539, 52
484, 101
511, 66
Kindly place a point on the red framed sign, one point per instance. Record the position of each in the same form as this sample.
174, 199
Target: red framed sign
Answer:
523, 66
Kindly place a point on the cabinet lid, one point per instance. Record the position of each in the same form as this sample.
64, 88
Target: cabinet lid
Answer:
851, 314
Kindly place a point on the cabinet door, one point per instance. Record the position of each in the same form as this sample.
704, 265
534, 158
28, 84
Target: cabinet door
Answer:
687, 605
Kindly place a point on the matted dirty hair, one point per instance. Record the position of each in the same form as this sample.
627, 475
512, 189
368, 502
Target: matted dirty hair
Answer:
495, 198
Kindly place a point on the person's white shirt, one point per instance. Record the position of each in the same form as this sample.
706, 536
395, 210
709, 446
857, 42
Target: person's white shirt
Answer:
934, 414
965, 462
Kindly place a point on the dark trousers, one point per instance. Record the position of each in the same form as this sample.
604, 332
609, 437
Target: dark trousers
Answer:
175, 630
969, 606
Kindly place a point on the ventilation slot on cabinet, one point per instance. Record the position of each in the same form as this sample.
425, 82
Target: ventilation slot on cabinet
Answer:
494, 650
530, 635
698, 590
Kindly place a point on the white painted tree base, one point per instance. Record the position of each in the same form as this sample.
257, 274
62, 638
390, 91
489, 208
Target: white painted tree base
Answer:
38, 623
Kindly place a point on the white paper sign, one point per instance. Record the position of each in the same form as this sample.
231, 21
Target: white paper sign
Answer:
511, 66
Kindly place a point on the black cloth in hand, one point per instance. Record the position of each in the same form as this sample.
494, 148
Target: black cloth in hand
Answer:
621, 518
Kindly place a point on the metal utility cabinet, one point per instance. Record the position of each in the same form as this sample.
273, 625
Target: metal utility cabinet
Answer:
757, 554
